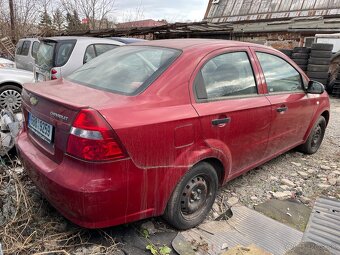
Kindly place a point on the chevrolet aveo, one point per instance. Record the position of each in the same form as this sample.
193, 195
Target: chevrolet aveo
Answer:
156, 127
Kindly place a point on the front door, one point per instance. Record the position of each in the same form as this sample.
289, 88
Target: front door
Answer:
232, 109
292, 107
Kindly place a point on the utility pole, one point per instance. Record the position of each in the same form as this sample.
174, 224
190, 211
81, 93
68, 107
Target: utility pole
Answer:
11, 13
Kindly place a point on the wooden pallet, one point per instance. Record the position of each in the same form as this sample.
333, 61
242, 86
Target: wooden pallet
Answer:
7, 47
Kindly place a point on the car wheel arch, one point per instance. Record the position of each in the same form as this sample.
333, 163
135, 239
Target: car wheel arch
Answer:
325, 114
11, 83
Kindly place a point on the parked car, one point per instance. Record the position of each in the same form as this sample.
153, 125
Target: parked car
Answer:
26, 52
127, 40
155, 128
6, 63
11, 81
59, 56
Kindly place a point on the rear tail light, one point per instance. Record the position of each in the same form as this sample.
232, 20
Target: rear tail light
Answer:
91, 138
54, 74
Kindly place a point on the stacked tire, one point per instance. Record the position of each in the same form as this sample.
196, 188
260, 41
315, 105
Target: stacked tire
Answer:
300, 56
319, 61
335, 90
287, 52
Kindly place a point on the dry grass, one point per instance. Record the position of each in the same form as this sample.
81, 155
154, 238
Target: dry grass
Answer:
29, 225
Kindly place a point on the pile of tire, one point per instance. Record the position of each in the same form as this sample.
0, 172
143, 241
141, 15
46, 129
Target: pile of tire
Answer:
335, 90
287, 52
319, 61
300, 56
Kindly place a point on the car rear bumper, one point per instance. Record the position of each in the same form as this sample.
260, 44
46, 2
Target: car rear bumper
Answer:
93, 195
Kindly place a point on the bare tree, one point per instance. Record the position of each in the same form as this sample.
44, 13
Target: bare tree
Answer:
96, 12
134, 14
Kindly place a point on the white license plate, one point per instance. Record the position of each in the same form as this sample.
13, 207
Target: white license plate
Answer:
40, 128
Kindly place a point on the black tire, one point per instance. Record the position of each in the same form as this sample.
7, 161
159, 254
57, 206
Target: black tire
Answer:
320, 54
319, 61
287, 52
315, 138
338, 76
177, 212
322, 46
318, 75
301, 50
301, 61
303, 68
10, 96
300, 55
323, 81
318, 68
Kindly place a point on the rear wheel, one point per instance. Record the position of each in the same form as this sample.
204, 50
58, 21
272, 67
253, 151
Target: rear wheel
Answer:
315, 138
10, 97
193, 197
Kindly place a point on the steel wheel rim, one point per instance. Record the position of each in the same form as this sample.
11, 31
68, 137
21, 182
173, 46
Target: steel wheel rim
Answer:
195, 196
316, 137
10, 99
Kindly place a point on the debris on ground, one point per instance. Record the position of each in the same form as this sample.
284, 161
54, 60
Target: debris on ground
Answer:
248, 250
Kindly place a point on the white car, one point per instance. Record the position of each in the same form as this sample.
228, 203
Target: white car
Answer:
11, 82
60, 56
5, 63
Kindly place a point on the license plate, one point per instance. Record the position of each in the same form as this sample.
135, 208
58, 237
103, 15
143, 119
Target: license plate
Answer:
40, 128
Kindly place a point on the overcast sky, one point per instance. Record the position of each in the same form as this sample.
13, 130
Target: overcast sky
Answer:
171, 10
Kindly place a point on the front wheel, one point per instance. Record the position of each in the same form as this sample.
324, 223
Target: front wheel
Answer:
315, 138
193, 197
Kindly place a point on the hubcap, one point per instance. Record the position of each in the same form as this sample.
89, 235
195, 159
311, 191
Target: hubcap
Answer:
10, 99
194, 195
316, 136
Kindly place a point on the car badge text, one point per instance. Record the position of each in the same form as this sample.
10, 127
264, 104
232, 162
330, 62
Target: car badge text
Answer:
58, 116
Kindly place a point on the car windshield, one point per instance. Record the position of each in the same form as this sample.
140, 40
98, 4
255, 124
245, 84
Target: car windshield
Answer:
45, 55
125, 70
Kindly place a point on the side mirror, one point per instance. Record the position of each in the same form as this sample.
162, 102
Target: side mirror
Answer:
315, 87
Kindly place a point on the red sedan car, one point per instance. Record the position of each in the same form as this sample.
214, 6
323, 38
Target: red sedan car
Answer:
156, 127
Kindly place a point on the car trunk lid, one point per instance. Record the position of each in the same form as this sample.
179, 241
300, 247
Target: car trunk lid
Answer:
50, 109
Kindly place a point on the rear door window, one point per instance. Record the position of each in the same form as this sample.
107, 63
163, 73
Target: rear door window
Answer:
226, 75
102, 48
89, 53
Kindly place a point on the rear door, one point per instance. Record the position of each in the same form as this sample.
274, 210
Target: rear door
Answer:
234, 113
292, 107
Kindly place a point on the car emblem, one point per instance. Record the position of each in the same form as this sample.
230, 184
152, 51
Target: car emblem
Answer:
34, 101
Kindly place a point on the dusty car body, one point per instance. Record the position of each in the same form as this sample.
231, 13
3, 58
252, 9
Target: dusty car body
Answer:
11, 82
59, 56
159, 137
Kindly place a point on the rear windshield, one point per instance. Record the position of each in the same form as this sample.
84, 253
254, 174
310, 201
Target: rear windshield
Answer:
125, 70
54, 54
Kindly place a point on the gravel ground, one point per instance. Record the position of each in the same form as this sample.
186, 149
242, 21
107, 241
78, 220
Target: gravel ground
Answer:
28, 224
292, 174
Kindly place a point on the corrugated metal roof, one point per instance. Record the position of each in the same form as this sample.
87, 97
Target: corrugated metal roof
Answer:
241, 10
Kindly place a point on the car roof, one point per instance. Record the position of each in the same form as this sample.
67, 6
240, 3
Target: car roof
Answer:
78, 38
127, 40
185, 44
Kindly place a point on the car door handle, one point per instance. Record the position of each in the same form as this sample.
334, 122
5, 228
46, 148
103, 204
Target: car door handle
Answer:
218, 122
282, 109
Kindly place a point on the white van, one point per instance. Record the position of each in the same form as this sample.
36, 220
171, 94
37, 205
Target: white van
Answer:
25, 53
